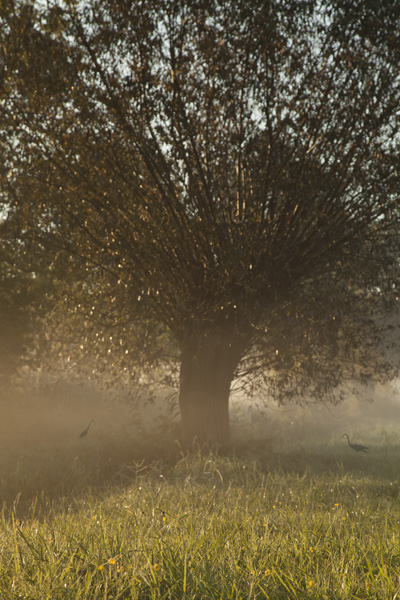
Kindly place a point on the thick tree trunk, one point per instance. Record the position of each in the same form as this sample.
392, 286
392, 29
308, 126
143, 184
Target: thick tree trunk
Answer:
207, 369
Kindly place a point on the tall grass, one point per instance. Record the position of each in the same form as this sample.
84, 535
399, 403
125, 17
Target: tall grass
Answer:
316, 522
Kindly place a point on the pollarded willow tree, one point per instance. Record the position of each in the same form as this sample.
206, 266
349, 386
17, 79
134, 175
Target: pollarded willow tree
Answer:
227, 172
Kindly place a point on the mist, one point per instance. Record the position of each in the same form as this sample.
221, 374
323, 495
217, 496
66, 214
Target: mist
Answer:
366, 410
48, 418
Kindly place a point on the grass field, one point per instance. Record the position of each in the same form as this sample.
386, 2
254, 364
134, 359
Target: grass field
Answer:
301, 520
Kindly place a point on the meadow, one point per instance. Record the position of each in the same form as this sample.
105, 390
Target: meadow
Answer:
288, 518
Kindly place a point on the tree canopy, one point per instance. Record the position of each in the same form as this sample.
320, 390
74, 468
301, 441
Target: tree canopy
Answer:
219, 177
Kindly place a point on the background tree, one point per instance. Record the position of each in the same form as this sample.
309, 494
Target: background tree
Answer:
221, 174
23, 302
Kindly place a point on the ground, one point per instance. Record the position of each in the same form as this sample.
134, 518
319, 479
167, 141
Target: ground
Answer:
294, 514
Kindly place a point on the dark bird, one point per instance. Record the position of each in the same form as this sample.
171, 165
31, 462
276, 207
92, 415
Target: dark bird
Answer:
86, 431
356, 447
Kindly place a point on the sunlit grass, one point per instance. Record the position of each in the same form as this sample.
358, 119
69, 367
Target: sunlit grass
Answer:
213, 527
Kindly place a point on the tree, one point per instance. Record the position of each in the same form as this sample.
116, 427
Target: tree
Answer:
227, 171
23, 299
